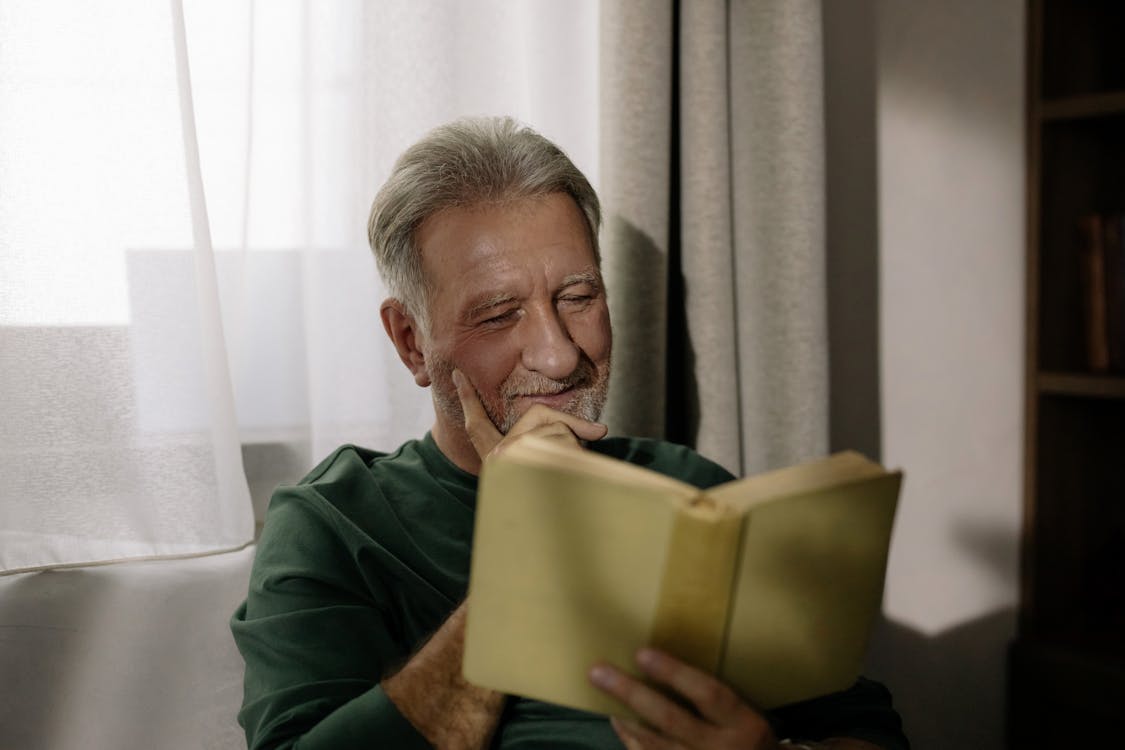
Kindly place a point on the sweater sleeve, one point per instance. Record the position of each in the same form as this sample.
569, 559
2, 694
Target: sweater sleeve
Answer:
317, 634
863, 712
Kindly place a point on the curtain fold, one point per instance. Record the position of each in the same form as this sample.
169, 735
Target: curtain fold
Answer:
117, 432
708, 253
635, 98
777, 162
172, 314
233, 501
750, 215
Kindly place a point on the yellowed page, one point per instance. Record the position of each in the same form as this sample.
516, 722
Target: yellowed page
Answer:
837, 469
808, 589
695, 595
566, 571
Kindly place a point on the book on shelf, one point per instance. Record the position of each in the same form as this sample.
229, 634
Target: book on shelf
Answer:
1114, 235
1102, 260
772, 582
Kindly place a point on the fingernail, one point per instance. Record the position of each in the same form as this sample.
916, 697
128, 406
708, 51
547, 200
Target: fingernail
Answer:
458, 378
646, 657
602, 676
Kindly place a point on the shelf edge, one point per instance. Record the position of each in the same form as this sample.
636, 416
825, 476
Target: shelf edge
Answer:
1088, 105
1079, 384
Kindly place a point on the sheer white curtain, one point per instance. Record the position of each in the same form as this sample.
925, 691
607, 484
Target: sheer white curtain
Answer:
161, 313
117, 433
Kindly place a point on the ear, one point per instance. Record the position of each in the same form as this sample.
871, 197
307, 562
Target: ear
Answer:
406, 335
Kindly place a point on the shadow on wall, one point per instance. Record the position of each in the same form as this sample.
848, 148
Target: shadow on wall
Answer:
852, 222
652, 356
949, 688
682, 413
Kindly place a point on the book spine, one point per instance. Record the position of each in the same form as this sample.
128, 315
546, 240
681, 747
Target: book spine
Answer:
693, 608
1114, 246
1092, 259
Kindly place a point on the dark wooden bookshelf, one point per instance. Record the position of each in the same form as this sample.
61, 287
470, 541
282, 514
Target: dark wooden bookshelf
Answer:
1082, 385
1067, 664
1089, 105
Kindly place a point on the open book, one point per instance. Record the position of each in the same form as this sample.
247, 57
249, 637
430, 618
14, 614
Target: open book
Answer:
770, 582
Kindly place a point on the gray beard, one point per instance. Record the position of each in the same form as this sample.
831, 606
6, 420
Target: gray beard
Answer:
591, 390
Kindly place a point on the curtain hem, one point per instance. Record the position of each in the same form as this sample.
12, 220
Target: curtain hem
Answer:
119, 560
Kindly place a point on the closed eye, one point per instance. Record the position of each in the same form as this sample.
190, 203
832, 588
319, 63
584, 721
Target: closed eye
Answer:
501, 319
578, 300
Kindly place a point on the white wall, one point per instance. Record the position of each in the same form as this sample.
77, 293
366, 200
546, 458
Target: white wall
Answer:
951, 238
926, 114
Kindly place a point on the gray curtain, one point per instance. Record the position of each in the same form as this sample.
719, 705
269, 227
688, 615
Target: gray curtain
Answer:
714, 244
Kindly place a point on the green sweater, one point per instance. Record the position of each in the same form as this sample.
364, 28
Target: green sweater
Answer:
367, 556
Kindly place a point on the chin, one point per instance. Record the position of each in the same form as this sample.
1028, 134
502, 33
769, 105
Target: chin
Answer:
585, 404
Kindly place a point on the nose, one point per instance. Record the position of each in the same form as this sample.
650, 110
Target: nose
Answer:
548, 348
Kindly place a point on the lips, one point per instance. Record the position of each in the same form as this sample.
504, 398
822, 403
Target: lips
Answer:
553, 400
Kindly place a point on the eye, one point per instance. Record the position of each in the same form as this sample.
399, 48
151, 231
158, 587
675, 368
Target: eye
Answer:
576, 300
503, 318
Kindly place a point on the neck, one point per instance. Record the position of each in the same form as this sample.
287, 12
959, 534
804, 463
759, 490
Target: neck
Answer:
453, 441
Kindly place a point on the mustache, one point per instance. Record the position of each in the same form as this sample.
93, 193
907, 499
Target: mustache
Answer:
534, 384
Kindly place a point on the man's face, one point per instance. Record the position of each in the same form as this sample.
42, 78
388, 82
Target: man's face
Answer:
517, 305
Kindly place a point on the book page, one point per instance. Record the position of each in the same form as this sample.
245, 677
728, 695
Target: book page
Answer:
566, 571
838, 468
808, 588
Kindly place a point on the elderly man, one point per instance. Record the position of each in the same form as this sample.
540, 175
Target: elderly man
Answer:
486, 235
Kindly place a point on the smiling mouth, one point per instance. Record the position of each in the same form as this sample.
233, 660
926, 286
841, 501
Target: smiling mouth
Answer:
551, 398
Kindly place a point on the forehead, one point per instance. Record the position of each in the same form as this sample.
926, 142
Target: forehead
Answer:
528, 240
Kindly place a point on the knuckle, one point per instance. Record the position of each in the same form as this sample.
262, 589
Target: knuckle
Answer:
672, 718
706, 693
537, 413
718, 695
750, 724
664, 716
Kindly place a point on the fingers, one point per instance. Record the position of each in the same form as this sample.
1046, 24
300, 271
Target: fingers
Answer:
550, 431
539, 415
671, 719
482, 433
714, 700
723, 719
586, 430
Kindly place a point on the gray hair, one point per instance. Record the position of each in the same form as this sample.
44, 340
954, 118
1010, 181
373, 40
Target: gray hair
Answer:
465, 163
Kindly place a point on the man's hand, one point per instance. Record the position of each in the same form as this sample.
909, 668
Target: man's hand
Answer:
721, 719
539, 420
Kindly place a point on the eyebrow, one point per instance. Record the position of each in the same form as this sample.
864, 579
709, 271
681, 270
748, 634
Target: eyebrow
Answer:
593, 278
489, 302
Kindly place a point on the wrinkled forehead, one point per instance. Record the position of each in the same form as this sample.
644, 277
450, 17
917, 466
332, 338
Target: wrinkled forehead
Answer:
470, 245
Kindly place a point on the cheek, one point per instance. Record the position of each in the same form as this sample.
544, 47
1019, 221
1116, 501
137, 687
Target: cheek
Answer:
592, 334
487, 363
